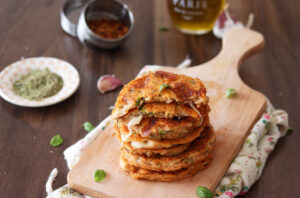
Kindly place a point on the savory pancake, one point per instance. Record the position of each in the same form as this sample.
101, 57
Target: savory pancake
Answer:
163, 110
175, 150
162, 122
197, 151
137, 141
162, 87
139, 173
160, 128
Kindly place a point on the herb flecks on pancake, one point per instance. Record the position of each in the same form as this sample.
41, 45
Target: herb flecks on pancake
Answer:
163, 127
148, 89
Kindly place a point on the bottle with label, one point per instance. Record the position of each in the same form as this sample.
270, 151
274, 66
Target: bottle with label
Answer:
195, 16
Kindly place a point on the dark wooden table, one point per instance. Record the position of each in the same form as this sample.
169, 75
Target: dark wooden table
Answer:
31, 28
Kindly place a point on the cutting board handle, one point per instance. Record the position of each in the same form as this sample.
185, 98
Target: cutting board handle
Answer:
237, 45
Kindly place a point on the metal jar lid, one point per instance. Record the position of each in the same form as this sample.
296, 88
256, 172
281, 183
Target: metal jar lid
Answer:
112, 9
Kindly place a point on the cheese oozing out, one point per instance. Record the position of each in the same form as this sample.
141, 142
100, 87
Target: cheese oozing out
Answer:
143, 144
131, 123
197, 111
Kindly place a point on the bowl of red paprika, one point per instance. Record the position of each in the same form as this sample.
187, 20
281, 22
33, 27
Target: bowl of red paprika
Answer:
102, 24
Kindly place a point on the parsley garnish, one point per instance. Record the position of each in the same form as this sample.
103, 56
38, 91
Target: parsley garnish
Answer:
163, 87
56, 140
163, 29
204, 192
99, 175
87, 126
231, 93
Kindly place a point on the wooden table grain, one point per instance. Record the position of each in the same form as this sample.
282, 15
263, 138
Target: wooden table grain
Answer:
31, 28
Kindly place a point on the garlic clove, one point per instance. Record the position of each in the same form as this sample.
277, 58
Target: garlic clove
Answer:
108, 83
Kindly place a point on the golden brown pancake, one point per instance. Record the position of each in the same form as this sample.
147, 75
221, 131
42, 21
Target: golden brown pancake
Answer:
144, 142
163, 126
175, 150
197, 151
139, 173
164, 110
162, 87
160, 128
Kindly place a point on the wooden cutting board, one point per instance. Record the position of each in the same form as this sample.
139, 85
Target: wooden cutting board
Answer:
231, 118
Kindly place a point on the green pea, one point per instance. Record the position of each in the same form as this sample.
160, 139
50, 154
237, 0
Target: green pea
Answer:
99, 175
87, 126
56, 140
290, 129
163, 87
204, 192
231, 93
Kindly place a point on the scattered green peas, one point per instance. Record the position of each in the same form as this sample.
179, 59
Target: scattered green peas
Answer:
99, 175
231, 93
163, 87
204, 192
87, 126
56, 140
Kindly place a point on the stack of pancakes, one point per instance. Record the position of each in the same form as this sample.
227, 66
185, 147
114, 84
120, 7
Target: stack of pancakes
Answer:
163, 125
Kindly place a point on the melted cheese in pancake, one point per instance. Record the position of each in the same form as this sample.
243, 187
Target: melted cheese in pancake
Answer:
198, 150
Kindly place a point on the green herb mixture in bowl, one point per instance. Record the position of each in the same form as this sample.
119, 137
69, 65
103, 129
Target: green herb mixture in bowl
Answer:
37, 82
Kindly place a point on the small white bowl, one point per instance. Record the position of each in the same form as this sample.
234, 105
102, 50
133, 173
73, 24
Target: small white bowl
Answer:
20, 68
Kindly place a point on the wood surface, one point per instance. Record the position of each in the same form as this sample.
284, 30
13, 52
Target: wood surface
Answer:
31, 28
231, 118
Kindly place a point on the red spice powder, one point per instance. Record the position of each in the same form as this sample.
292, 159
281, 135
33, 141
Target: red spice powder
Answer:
107, 28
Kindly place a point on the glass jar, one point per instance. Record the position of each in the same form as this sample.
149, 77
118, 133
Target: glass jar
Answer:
195, 16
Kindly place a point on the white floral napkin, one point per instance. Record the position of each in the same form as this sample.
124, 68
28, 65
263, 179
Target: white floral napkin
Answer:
244, 171
248, 165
